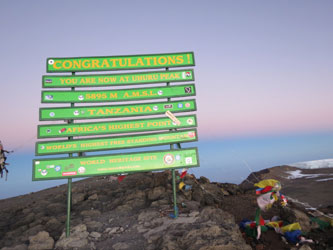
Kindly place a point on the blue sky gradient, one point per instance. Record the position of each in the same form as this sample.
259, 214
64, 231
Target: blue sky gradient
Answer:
263, 69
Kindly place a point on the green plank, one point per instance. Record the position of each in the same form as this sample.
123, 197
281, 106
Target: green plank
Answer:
118, 95
149, 61
119, 142
96, 112
114, 127
50, 81
60, 168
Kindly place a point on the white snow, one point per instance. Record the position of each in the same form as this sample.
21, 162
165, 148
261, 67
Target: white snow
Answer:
295, 174
326, 163
327, 179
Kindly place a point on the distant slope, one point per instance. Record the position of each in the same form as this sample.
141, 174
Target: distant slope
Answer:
310, 184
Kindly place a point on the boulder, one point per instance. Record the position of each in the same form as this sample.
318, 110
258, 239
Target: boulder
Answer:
78, 238
156, 193
41, 241
78, 197
303, 220
94, 225
93, 197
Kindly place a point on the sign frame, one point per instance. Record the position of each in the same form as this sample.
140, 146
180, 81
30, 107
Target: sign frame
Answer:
115, 155
190, 55
83, 94
73, 77
134, 136
182, 126
157, 112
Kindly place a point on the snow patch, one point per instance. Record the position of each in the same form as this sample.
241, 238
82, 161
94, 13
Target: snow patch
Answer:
327, 179
326, 163
296, 174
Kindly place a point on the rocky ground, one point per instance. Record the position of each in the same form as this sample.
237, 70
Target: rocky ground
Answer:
137, 214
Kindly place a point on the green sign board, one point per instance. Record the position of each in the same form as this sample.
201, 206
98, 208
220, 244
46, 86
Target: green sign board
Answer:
60, 168
119, 142
63, 81
114, 127
96, 112
120, 62
118, 95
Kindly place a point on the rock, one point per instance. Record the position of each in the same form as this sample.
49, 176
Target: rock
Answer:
136, 194
192, 205
53, 225
147, 215
17, 232
78, 197
156, 193
162, 179
160, 203
305, 247
56, 208
217, 215
93, 197
303, 220
17, 247
136, 203
114, 230
120, 246
41, 241
94, 225
95, 235
198, 194
260, 247
91, 213
204, 180
225, 192
28, 219
77, 238
33, 231
230, 188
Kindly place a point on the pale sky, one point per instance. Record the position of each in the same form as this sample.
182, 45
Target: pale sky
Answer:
262, 67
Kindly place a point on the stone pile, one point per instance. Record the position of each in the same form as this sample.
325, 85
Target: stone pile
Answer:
133, 214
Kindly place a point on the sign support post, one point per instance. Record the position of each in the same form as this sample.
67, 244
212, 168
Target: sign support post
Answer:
174, 191
69, 183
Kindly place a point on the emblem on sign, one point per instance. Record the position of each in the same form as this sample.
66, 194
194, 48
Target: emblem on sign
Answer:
168, 106
62, 130
49, 97
169, 159
81, 170
191, 134
188, 160
188, 90
186, 74
190, 121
